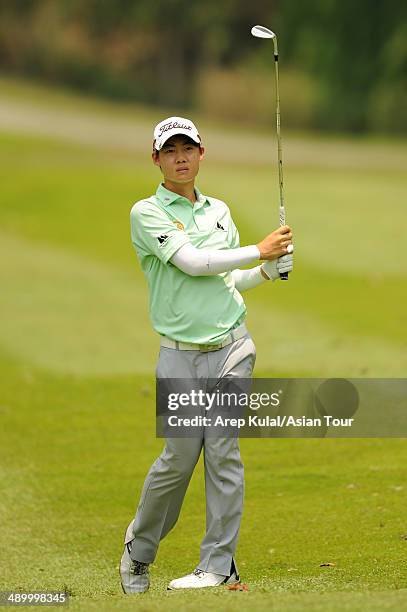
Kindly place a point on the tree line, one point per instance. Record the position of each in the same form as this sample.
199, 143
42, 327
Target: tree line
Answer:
351, 55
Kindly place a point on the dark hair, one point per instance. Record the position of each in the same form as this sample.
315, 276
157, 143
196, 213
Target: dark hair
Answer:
187, 138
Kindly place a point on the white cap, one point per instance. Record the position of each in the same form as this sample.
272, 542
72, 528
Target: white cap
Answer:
171, 126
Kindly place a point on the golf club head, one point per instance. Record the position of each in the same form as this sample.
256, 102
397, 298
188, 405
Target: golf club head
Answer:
261, 32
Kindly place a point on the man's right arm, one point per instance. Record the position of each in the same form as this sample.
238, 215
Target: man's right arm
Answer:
205, 262
154, 233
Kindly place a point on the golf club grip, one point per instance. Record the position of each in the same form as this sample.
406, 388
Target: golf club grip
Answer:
283, 275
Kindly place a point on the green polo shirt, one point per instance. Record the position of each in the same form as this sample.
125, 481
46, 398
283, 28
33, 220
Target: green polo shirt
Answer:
198, 309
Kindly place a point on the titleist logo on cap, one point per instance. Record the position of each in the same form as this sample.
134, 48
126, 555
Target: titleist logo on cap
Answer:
173, 124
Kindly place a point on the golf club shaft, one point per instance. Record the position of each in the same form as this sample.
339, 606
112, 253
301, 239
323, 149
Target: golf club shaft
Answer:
284, 275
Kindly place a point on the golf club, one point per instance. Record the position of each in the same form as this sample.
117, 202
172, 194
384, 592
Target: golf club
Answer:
261, 32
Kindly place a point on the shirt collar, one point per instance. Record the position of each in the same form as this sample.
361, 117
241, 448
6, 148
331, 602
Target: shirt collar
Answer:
168, 197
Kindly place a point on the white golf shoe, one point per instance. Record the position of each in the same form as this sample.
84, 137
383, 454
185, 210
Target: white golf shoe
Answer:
200, 579
134, 574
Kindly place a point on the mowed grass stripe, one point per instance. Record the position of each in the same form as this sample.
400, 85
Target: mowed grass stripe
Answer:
68, 313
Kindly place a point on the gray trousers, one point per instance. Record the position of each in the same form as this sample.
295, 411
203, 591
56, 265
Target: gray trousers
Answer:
168, 478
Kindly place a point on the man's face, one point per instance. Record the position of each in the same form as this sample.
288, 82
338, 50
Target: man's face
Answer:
179, 159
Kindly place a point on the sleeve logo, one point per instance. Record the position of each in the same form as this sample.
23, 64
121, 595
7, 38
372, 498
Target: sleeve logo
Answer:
162, 239
219, 226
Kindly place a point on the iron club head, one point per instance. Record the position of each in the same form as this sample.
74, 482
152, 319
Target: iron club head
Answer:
261, 32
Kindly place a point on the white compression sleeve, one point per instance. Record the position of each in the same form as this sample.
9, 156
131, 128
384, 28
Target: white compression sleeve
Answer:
247, 279
205, 262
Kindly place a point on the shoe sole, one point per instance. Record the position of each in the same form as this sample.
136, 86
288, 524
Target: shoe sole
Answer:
227, 581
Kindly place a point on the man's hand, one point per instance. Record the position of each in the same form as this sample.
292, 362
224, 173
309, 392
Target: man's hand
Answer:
275, 244
274, 268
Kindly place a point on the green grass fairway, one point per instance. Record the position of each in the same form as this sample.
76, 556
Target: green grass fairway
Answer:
77, 357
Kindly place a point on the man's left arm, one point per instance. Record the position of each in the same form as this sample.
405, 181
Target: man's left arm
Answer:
270, 270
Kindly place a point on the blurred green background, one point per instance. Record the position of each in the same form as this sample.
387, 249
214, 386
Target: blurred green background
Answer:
344, 63
82, 84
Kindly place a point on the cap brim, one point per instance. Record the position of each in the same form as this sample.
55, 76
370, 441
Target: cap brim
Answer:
175, 132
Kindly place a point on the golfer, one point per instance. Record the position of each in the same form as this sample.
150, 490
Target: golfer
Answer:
188, 248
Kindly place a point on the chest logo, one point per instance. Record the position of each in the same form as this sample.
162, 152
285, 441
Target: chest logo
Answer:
219, 226
179, 225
